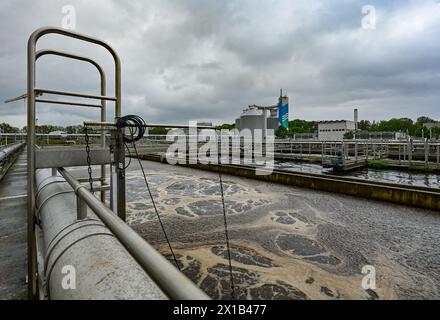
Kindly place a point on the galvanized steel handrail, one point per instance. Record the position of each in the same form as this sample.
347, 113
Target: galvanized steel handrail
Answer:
103, 92
69, 103
74, 94
170, 280
31, 96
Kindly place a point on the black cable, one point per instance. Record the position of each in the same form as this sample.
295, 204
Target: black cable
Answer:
136, 126
129, 155
155, 208
225, 223
132, 122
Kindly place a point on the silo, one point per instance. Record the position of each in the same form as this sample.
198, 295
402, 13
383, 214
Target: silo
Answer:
237, 124
251, 119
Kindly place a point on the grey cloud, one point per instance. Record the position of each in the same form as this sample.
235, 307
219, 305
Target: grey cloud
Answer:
207, 60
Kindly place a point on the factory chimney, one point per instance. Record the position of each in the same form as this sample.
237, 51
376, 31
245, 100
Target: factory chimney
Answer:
356, 119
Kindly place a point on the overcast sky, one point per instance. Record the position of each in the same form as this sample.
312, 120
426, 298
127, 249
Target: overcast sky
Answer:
208, 60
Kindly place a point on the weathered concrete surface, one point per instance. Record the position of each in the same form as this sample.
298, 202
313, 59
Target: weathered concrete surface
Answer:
13, 268
287, 242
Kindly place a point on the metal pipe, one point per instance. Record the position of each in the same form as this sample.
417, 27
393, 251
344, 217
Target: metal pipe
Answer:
23, 96
85, 247
148, 125
5, 153
172, 282
68, 103
74, 94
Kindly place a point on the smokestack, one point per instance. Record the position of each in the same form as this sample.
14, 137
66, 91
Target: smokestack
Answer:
356, 118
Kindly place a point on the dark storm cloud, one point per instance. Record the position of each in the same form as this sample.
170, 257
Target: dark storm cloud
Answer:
207, 60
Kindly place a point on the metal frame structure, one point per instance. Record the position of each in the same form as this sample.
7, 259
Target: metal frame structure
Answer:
171, 281
32, 93
103, 105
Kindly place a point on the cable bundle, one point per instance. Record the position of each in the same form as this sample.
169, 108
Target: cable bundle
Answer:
136, 126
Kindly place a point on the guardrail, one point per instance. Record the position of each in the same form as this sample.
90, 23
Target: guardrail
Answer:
7, 155
170, 280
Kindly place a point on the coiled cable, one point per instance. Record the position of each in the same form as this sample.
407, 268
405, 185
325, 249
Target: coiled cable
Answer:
135, 124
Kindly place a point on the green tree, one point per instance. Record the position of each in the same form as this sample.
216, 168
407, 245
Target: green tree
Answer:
226, 127
74, 129
435, 132
420, 130
424, 119
45, 128
158, 131
394, 125
364, 125
281, 132
302, 126
349, 135
7, 128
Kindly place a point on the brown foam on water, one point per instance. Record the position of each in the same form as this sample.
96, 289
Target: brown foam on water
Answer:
277, 248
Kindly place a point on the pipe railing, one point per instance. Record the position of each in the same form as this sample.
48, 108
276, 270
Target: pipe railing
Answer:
9, 151
31, 96
171, 281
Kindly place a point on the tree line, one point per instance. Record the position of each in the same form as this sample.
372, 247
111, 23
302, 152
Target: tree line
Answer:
413, 128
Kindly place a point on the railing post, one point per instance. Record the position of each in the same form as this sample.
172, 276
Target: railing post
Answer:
426, 152
118, 176
404, 153
400, 160
438, 156
356, 151
81, 207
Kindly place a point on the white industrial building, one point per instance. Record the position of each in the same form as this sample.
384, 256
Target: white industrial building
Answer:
335, 130
258, 118
265, 117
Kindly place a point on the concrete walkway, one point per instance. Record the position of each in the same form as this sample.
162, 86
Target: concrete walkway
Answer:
13, 206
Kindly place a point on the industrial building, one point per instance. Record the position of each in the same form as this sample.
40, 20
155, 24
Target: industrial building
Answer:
265, 117
334, 130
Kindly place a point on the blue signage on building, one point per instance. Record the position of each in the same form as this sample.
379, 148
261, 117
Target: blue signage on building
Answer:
283, 112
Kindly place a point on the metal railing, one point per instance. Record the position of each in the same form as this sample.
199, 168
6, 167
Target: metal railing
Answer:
402, 152
170, 280
32, 93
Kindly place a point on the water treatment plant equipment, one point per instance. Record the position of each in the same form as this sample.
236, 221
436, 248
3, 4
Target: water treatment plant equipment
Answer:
265, 117
67, 224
